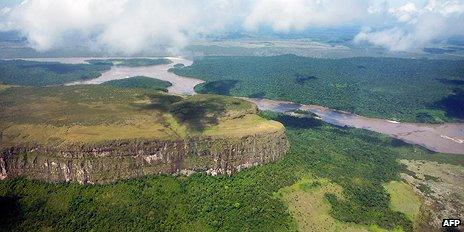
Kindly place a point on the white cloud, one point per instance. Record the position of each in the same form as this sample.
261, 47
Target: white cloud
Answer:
404, 13
418, 27
131, 26
120, 25
290, 15
394, 38
5, 10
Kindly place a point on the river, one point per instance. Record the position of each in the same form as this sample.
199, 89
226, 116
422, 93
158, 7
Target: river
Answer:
446, 138
180, 85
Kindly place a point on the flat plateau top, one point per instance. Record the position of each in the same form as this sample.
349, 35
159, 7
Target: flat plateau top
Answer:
56, 116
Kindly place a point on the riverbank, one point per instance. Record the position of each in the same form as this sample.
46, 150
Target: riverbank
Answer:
446, 138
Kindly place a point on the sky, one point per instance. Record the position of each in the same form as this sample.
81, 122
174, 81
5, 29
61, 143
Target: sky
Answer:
132, 26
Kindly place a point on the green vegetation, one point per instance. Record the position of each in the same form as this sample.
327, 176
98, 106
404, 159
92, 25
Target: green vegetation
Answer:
156, 203
359, 163
416, 90
136, 62
437, 184
403, 199
222, 87
96, 113
348, 167
433, 178
310, 209
425, 189
202, 110
140, 82
31, 73
415, 152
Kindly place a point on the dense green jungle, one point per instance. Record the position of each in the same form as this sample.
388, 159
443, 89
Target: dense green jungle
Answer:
359, 162
412, 90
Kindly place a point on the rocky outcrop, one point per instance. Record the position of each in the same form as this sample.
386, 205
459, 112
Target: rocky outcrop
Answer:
124, 159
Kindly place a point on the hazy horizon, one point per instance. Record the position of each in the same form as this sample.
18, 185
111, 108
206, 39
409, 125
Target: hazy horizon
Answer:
130, 27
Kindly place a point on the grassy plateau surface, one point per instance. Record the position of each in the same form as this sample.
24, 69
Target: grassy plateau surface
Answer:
91, 114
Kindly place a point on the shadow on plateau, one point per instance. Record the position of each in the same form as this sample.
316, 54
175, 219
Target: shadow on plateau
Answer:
221, 87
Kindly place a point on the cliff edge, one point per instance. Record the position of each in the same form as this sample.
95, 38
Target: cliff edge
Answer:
101, 134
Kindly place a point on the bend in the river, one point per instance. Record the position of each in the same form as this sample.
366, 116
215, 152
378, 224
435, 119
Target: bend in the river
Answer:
446, 138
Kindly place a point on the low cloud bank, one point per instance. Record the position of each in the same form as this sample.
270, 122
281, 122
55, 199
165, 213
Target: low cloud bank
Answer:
418, 26
132, 26
120, 25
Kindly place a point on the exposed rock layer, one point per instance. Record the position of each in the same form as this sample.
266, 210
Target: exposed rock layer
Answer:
124, 159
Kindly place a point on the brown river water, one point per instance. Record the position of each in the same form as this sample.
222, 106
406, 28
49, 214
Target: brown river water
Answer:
180, 85
446, 138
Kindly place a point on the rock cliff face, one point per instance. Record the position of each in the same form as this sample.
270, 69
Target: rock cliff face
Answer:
124, 159
101, 134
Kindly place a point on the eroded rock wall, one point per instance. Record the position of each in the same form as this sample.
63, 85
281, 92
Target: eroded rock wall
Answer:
116, 160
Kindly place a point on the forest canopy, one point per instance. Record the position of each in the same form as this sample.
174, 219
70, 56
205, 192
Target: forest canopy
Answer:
140, 82
32, 73
417, 90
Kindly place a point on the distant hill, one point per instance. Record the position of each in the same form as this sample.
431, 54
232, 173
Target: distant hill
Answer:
32, 73
140, 82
